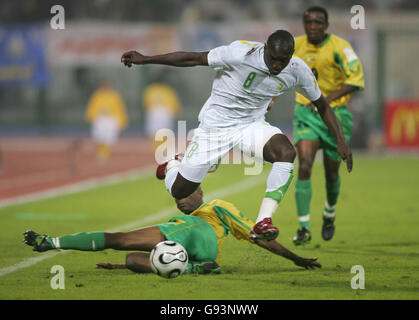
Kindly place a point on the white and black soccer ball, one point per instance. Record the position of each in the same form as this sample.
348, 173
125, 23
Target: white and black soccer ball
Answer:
169, 259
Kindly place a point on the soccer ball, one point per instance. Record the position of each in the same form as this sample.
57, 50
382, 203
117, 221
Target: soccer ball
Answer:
169, 259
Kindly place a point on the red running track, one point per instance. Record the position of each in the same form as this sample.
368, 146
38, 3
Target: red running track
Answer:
29, 165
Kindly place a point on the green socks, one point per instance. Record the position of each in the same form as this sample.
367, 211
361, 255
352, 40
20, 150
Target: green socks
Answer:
302, 199
85, 241
332, 191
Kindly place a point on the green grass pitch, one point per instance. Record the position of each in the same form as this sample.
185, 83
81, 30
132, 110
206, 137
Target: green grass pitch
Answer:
377, 227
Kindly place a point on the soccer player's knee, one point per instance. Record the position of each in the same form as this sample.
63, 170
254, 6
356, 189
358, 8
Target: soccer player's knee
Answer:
282, 153
178, 193
285, 153
181, 192
290, 154
304, 168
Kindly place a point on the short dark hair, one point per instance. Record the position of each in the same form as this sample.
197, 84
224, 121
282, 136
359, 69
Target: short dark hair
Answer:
283, 37
318, 9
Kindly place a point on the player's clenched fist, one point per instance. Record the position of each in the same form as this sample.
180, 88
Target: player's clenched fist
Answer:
346, 154
132, 57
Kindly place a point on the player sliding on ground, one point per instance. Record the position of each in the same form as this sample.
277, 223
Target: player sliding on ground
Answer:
249, 75
202, 230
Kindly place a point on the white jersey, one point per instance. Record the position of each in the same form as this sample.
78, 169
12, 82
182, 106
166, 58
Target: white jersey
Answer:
243, 87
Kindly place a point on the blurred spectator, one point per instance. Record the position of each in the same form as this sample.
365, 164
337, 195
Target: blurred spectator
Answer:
162, 107
106, 112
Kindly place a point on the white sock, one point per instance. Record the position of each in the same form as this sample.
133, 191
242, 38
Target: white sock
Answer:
329, 211
267, 209
280, 173
278, 182
56, 242
172, 170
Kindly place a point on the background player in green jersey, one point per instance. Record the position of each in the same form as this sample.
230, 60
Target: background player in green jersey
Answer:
201, 230
339, 73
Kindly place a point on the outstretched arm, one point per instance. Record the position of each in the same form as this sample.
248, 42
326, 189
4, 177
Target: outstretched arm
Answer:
275, 247
138, 262
331, 122
110, 266
176, 59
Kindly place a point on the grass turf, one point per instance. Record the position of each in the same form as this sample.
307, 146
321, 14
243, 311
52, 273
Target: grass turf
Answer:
376, 227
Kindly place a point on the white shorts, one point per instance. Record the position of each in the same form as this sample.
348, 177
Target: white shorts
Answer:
105, 130
209, 146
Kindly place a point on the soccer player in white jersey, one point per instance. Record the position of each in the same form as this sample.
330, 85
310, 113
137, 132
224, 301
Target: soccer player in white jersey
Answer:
249, 75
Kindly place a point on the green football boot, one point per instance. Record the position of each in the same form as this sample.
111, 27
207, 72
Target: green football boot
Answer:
38, 242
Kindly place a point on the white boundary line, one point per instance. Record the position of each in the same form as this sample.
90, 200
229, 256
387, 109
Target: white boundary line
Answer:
152, 218
79, 186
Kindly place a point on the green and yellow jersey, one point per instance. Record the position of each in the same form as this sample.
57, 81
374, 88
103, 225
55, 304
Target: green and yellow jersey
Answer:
158, 95
334, 63
203, 232
225, 218
107, 102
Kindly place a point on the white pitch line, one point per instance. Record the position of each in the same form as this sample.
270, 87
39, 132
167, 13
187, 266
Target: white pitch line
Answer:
152, 218
29, 262
78, 186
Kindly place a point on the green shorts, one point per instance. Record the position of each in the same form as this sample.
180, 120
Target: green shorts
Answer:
195, 234
310, 126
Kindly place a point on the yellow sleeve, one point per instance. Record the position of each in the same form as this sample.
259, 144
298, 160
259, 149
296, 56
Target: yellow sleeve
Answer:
237, 223
351, 66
